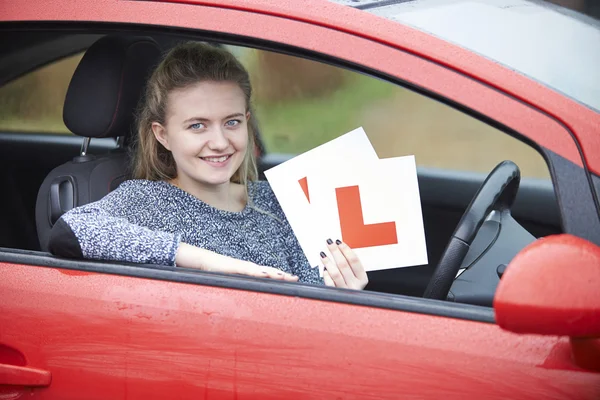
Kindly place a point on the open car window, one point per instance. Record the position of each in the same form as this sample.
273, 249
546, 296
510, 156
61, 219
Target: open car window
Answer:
302, 103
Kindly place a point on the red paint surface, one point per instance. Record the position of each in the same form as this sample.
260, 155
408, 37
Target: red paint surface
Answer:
14, 375
366, 40
586, 353
11, 356
74, 272
552, 287
106, 336
355, 233
114, 337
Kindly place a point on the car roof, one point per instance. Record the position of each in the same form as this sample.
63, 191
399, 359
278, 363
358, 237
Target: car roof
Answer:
555, 46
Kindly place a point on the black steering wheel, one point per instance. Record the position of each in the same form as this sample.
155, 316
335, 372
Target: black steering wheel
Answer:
497, 193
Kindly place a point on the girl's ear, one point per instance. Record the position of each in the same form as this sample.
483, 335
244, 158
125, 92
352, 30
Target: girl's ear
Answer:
248, 115
160, 133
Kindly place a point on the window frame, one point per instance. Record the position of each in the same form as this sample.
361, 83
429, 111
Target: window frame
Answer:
371, 299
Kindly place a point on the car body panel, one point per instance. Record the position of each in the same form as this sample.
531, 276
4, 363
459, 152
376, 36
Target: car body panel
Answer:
107, 336
117, 336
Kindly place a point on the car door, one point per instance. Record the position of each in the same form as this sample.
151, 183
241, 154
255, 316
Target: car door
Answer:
105, 331
34, 140
72, 329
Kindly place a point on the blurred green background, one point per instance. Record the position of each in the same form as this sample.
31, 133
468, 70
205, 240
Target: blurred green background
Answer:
301, 104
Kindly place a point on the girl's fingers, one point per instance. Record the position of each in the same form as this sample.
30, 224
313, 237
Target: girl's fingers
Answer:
219, 263
327, 279
274, 273
342, 264
354, 262
334, 273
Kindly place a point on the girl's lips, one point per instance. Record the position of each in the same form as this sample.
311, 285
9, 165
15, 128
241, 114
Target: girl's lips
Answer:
218, 161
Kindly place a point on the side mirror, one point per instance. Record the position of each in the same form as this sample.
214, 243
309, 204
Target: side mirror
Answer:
552, 287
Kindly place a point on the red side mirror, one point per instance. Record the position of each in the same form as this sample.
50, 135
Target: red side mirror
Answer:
552, 287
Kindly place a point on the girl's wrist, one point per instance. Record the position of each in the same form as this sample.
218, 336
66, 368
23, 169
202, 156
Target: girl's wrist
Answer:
189, 256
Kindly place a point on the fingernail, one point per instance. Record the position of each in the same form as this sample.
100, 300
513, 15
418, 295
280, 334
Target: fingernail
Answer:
329, 241
263, 272
338, 242
323, 255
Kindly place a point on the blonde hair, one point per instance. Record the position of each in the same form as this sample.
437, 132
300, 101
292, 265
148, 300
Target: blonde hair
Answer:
185, 65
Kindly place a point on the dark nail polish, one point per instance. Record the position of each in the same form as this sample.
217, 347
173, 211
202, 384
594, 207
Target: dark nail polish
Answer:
329, 241
323, 255
338, 242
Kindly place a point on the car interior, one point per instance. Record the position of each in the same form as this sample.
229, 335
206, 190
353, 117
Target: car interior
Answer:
45, 175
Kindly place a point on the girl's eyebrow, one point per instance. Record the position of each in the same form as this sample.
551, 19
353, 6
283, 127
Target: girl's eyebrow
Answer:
195, 119
201, 119
234, 115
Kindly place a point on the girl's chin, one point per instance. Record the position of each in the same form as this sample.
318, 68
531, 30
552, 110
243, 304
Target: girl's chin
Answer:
214, 179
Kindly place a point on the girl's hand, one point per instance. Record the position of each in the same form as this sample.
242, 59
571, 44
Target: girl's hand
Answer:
189, 256
345, 270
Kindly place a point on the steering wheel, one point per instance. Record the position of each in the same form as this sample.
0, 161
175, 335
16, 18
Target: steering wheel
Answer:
497, 193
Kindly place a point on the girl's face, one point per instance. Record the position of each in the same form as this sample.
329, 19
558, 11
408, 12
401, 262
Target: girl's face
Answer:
206, 130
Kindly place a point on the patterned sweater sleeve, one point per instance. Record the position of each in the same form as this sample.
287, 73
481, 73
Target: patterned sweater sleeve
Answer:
104, 230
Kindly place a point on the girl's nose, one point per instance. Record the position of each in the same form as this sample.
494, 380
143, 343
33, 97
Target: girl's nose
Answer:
218, 140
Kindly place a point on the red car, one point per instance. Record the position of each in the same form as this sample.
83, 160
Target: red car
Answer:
508, 306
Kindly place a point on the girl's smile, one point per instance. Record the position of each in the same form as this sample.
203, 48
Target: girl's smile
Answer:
217, 161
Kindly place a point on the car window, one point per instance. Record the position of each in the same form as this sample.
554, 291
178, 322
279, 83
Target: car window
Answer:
301, 104
549, 44
33, 103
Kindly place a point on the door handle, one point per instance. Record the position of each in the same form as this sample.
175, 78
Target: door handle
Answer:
15, 375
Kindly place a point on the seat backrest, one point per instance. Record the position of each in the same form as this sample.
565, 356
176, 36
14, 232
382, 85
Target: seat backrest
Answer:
101, 102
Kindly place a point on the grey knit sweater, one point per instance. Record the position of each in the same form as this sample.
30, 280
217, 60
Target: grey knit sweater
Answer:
144, 222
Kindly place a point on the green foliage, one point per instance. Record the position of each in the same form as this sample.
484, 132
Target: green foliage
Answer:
295, 126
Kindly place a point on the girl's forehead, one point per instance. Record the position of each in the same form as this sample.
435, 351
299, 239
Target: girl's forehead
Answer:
212, 98
208, 88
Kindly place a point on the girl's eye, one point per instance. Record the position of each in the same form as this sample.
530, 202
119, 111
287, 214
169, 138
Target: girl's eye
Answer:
232, 122
197, 125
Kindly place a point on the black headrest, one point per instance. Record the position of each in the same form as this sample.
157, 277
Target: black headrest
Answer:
107, 85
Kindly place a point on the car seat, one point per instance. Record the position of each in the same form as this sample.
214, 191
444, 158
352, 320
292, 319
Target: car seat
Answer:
101, 102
